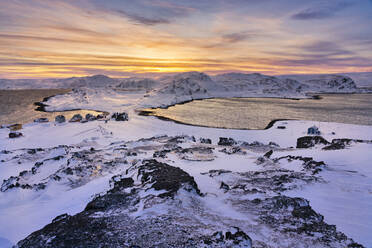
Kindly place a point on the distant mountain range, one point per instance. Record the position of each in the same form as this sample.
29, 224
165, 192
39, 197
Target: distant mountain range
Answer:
195, 83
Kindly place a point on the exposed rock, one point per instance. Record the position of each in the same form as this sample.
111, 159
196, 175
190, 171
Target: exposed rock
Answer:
60, 119
224, 186
338, 144
161, 154
273, 144
76, 118
90, 117
205, 141
232, 238
310, 141
308, 162
13, 135
268, 154
226, 142
120, 116
165, 177
41, 120
99, 117
122, 230
233, 150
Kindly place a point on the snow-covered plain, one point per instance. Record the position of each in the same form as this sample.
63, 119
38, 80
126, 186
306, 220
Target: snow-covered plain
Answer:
341, 191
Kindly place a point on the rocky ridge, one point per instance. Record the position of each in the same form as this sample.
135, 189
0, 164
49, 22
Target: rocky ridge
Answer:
151, 202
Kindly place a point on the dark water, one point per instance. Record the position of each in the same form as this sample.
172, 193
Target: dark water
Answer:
17, 106
257, 113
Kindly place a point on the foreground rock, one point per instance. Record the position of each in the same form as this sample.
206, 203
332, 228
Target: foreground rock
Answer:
60, 119
310, 141
109, 220
335, 144
151, 202
76, 118
41, 120
120, 116
13, 135
90, 117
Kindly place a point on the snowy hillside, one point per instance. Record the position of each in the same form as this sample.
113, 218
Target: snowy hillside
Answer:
191, 85
145, 179
136, 83
258, 82
188, 83
362, 79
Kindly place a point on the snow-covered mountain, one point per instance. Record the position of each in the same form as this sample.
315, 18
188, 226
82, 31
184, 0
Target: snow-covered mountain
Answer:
326, 82
188, 83
200, 85
95, 81
258, 82
136, 83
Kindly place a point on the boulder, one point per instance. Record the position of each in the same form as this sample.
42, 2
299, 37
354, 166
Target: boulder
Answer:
226, 142
98, 117
205, 141
76, 118
161, 176
60, 119
310, 141
41, 120
268, 154
13, 135
120, 116
90, 117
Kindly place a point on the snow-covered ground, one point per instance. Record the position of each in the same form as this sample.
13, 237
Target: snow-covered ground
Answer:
96, 151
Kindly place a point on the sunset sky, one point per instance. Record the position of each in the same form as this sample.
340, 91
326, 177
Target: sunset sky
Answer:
50, 38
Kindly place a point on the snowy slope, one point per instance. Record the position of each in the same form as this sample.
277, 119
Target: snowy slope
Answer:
199, 85
326, 82
259, 82
58, 168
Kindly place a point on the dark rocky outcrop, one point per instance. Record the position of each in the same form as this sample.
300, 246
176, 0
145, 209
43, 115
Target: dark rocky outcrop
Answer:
162, 176
120, 116
90, 117
60, 119
205, 141
234, 237
97, 227
41, 120
295, 216
310, 141
76, 118
268, 154
226, 141
338, 144
308, 162
13, 135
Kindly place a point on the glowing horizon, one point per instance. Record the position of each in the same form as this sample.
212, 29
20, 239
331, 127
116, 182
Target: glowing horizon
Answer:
45, 39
